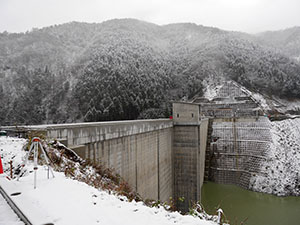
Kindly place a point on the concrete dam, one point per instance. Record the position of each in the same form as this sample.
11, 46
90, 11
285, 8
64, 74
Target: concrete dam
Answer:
223, 140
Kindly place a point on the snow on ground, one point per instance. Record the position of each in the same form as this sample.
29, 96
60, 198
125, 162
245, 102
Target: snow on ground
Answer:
211, 90
282, 169
64, 201
11, 149
7, 215
211, 87
292, 105
261, 100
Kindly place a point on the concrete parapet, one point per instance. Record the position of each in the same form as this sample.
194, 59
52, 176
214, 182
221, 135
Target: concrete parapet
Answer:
83, 133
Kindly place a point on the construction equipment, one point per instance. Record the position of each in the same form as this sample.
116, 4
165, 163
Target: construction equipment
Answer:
36, 143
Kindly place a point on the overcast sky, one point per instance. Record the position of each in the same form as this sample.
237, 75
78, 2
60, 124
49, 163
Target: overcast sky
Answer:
240, 15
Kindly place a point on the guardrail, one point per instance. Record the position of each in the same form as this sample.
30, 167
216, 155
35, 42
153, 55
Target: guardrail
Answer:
14, 207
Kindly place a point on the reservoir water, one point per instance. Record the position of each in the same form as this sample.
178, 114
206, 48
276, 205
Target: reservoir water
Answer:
256, 208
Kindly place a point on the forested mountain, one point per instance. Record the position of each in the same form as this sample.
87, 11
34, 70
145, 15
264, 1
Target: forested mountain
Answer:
288, 41
129, 69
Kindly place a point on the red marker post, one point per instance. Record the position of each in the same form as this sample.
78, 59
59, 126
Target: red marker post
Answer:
1, 167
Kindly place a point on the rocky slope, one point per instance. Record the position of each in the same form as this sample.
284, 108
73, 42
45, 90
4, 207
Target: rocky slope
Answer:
281, 172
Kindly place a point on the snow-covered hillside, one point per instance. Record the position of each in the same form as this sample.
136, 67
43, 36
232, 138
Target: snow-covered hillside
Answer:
269, 104
211, 86
64, 201
281, 172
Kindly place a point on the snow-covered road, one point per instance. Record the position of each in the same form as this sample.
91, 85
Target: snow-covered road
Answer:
7, 215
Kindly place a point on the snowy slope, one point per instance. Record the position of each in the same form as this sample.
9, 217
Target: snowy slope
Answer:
65, 201
212, 85
212, 88
11, 149
281, 172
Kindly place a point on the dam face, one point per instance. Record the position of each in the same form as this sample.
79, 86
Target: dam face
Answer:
139, 151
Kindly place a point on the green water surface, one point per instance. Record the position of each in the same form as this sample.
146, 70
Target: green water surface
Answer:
259, 209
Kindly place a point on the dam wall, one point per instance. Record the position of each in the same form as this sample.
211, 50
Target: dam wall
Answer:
140, 151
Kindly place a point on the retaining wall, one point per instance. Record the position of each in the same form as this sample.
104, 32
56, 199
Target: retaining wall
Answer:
238, 148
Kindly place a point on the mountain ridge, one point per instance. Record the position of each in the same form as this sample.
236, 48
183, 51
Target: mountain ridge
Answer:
128, 69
